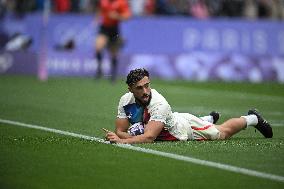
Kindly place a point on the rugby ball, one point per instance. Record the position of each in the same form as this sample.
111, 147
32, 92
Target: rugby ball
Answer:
136, 129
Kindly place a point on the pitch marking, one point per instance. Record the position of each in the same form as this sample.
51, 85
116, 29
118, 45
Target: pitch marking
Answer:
230, 168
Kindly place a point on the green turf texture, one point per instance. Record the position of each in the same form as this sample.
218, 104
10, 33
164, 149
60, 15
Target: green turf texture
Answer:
32, 158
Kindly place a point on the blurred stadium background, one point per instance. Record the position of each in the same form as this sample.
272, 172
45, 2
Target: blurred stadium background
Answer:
224, 55
191, 40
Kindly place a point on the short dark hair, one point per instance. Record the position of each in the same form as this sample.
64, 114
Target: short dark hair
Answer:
136, 75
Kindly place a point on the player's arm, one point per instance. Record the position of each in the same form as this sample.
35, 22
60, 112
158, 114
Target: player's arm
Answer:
121, 127
152, 130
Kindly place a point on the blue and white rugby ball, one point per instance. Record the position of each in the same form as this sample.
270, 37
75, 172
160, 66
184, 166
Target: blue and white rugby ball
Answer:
136, 129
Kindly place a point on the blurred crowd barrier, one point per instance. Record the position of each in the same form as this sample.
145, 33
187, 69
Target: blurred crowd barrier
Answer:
252, 9
170, 47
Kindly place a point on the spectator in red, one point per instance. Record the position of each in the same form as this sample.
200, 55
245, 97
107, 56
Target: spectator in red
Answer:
62, 6
149, 8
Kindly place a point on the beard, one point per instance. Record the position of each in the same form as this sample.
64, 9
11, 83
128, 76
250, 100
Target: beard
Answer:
145, 99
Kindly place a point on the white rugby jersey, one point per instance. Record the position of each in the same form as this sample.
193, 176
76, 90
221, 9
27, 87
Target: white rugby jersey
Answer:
176, 127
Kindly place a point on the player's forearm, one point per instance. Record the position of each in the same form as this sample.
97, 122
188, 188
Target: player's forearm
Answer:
123, 135
139, 139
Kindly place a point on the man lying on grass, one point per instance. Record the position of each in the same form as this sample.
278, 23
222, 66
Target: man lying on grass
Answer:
144, 115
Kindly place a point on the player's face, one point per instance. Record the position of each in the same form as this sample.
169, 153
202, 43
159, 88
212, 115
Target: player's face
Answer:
142, 90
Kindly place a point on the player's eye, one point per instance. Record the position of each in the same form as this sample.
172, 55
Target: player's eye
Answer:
139, 87
147, 85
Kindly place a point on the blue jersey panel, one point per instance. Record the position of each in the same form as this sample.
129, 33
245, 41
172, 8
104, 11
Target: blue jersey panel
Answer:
134, 113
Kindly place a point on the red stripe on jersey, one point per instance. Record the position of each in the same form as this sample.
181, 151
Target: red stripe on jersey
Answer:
146, 116
165, 135
201, 128
200, 139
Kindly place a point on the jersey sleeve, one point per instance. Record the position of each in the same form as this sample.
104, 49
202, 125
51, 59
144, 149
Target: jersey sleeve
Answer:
120, 110
159, 112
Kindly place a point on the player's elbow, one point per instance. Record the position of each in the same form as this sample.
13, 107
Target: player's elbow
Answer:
150, 138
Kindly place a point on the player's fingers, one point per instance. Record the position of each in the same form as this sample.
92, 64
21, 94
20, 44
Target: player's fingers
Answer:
105, 130
110, 135
113, 140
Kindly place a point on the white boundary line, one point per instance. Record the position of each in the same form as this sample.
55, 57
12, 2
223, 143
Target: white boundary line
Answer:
155, 152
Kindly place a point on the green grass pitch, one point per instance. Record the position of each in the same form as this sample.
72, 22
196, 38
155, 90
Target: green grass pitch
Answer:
31, 158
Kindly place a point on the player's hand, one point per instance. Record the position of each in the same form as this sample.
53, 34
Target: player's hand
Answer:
113, 138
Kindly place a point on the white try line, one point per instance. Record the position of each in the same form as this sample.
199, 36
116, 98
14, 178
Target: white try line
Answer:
155, 152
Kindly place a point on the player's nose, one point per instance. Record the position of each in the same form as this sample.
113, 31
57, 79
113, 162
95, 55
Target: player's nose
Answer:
145, 90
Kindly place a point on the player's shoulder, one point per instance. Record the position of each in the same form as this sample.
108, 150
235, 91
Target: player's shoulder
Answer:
127, 98
157, 98
158, 105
